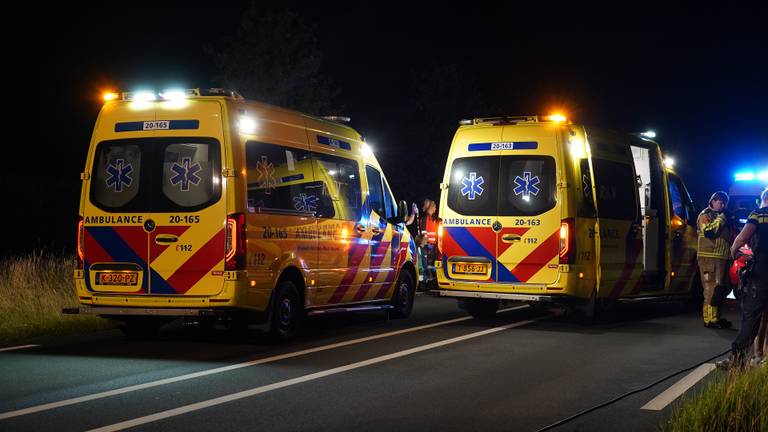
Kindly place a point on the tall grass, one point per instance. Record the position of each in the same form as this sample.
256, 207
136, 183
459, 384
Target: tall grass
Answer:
736, 401
33, 290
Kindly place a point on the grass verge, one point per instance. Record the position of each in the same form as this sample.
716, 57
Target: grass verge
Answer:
33, 290
734, 401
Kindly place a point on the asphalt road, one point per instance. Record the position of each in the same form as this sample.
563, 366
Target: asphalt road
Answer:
438, 370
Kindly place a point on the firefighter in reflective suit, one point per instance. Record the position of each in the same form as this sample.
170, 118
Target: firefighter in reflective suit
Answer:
714, 249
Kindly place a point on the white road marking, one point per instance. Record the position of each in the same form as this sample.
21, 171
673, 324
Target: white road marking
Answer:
133, 388
18, 347
667, 396
302, 379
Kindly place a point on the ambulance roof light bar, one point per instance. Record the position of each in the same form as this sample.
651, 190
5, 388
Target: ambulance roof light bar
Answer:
511, 120
169, 94
500, 120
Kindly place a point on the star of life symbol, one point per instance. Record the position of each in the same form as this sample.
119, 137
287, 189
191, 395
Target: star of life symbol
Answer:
472, 186
119, 175
265, 175
527, 185
305, 203
186, 173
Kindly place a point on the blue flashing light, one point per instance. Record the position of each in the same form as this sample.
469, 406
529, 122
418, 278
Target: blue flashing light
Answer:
744, 176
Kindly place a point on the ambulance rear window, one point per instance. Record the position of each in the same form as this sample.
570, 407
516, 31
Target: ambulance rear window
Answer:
473, 189
527, 185
156, 175
502, 185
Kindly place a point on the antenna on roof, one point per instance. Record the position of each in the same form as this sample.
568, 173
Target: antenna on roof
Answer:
338, 119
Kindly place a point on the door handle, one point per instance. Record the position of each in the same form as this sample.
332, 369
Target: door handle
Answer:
510, 238
166, 238
376, 230
360, 228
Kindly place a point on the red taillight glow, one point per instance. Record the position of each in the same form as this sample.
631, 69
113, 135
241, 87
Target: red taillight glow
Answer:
80, 243
235, 242
439, 253
567, 241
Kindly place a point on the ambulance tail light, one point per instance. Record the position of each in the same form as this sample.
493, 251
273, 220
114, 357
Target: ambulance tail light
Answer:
567, 241
80, 243
440, 241
235, 242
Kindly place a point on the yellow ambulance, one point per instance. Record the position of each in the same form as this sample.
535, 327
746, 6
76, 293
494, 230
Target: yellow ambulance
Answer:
201, 204
546, 211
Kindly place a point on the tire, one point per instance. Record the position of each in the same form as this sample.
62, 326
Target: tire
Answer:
402, 300
142, 327
287, 312
480, 308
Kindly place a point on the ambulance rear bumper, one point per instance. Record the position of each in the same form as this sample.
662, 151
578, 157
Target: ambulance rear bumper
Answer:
494, 295
139, 311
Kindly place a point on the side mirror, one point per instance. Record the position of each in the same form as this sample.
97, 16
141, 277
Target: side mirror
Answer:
402, 209
678, 225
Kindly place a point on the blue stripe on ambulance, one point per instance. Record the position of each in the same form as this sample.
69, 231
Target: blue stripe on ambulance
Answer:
518, 145
160, 286
471, 246
334, 142
172, 124
117, 249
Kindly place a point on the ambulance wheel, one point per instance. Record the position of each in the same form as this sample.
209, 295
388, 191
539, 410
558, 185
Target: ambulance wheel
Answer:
402, 300
480, 308
141, 327
286, 312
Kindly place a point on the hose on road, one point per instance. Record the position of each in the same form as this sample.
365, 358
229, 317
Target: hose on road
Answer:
630, 393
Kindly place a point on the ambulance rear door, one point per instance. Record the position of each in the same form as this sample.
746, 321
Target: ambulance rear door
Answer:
618, 232
528, 219
155, 206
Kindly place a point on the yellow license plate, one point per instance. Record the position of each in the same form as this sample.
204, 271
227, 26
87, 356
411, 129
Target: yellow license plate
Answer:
117, 278
470, 268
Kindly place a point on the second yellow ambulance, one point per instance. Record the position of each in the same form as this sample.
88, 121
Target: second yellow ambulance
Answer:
542, 210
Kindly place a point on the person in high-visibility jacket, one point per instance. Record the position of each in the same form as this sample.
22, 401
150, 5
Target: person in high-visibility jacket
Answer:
714, 250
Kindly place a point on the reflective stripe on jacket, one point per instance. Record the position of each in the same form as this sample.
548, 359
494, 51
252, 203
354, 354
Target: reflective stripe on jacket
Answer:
715, 235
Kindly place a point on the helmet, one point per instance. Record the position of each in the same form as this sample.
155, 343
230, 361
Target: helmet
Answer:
719, 195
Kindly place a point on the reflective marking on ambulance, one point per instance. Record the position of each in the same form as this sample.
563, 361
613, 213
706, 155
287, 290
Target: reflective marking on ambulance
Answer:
389, 243
630, 278
131, 244
138, 126
334, 142
516, 145
480, 242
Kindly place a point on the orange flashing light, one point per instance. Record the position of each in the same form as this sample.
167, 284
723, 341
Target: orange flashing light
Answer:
109, 96
557, 118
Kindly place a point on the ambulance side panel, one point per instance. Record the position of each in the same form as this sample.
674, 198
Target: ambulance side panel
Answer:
280, 232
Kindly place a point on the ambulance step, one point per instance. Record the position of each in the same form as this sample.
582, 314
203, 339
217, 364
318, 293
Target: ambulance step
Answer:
369, 308
653, 299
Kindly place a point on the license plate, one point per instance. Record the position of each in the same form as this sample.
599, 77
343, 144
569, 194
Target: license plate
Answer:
117, 278
470, 268
156, 125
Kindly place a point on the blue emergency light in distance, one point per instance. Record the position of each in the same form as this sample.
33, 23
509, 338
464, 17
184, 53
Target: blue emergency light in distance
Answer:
751, 176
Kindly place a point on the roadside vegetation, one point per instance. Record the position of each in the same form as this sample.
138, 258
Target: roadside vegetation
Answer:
735, 401
33, 290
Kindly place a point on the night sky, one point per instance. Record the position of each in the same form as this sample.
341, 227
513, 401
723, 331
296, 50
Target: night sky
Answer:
695, 76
